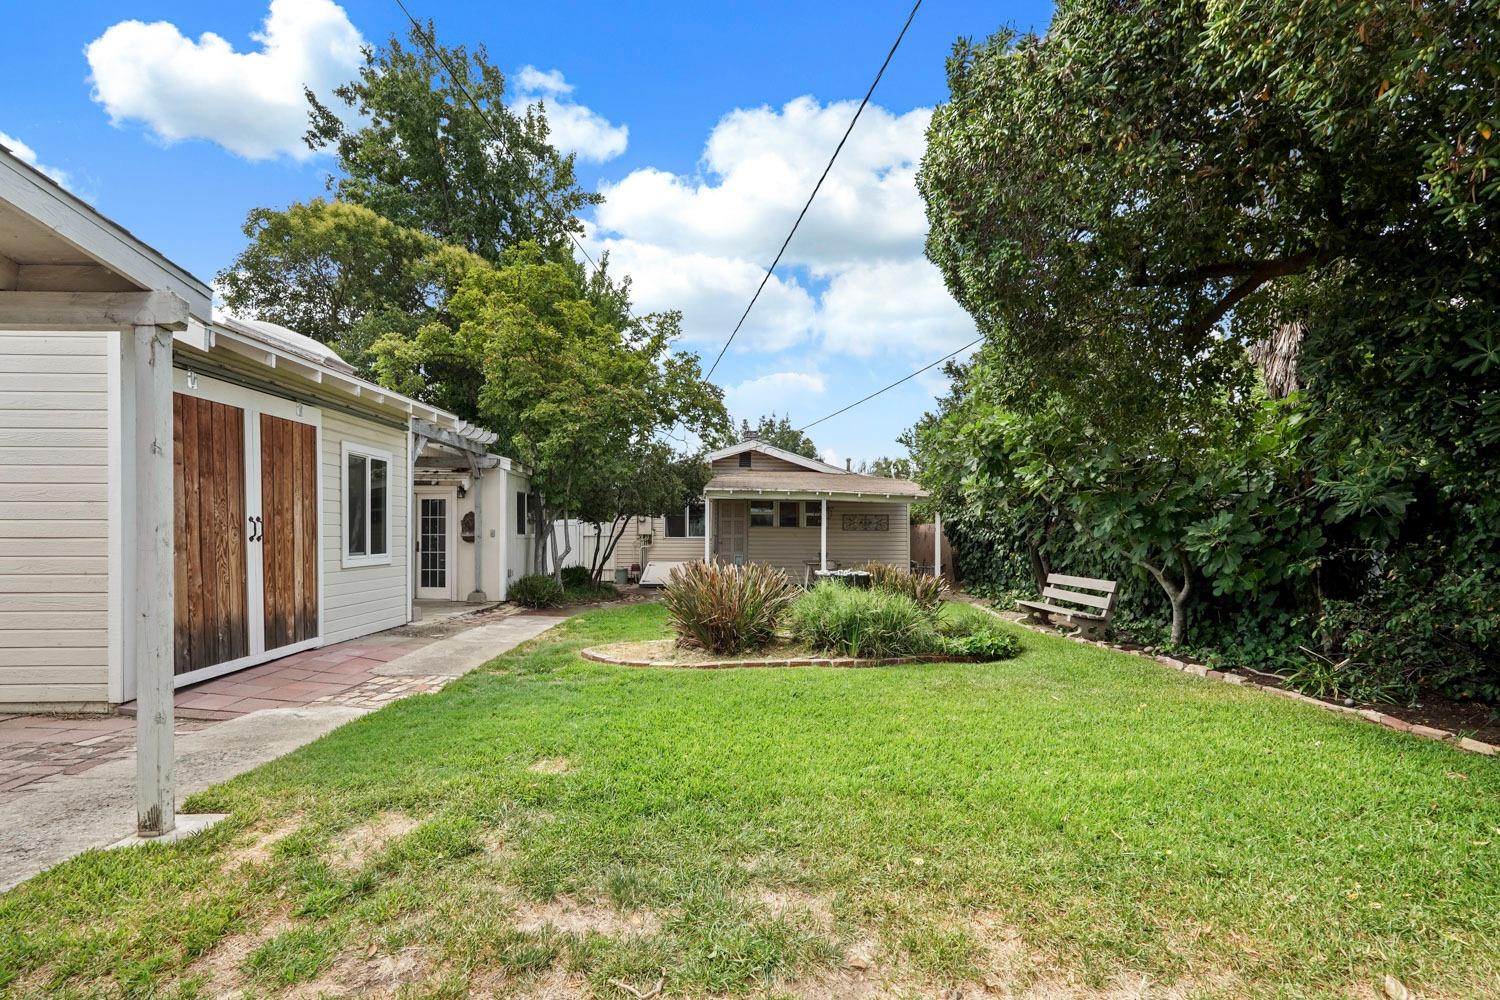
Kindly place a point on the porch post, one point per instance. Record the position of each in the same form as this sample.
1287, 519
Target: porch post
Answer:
478, 595
151, 541
823, 540
708, 529
937, 544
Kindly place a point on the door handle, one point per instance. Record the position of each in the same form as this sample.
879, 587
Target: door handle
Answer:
251, 519
257, 528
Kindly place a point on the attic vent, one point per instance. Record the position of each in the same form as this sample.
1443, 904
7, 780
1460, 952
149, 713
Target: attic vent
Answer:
744, 459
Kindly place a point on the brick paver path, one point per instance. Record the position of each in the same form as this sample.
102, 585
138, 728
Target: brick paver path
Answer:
36, 748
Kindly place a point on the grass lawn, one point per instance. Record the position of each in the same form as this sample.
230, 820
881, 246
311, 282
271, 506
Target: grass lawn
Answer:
1072, 822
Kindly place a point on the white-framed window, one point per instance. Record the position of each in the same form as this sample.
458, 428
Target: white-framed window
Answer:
762, 513
367, 505
686, 523
812, 514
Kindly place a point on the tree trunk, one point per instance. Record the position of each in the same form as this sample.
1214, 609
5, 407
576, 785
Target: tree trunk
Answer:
616, 533
1178, 594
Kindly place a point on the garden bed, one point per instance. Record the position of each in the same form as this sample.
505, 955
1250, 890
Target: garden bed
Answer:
668, 653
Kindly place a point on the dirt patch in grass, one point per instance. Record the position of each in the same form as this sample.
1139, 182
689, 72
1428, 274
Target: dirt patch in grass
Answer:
222, 968
262, 842
365, 975
797, 906
367, 840
550, 765
572, 916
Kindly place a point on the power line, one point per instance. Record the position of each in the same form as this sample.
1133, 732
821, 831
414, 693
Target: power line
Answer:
904, 378
857, 112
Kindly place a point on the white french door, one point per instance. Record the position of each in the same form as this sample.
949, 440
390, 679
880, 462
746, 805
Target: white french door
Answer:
435, 545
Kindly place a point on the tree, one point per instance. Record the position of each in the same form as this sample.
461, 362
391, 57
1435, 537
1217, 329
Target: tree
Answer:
779, 433
573, 397
340, 273
647, 481
1129, 202
889, 468
441, 152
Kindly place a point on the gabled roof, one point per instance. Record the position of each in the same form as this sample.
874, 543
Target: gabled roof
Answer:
48, 228
751, 444
777, 482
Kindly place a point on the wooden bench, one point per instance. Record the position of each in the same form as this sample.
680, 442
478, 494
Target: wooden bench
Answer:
1094, 600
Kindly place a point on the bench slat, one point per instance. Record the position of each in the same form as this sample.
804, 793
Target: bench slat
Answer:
1087, 582
1054, 609
1078, 597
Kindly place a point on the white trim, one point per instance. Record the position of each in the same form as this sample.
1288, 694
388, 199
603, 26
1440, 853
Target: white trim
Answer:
450, 570
346, 559
119, 691
774, 495
823, 539
504, 535
94, 235
774, 452
687, 524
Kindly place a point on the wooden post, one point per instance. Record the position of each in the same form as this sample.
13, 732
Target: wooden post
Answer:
708, 529
823, 540
151, 541
937, 544
478, 596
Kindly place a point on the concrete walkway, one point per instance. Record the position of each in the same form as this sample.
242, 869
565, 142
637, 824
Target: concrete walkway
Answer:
63, 814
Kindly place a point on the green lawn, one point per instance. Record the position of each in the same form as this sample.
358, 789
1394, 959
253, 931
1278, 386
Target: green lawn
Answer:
1070, 821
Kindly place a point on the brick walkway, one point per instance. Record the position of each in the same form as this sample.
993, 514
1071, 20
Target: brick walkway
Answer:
37, 748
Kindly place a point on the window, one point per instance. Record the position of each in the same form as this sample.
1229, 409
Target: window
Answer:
762, 513
523, 515
787, 513
686, 523
744, 460
813, 513
367, 508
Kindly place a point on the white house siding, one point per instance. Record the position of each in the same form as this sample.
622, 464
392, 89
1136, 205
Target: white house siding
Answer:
55, 402
518, 548
362, 599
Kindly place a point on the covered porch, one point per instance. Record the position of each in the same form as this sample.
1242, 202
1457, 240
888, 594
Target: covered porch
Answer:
800, 523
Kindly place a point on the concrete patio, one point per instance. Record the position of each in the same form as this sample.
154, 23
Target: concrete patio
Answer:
66, 783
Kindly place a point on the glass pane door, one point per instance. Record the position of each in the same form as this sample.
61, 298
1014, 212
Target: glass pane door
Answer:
432, 566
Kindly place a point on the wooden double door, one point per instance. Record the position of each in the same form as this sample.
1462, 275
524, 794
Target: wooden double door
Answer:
245, 496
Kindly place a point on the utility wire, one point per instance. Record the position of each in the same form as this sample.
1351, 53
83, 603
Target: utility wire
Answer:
858, 111
904, 378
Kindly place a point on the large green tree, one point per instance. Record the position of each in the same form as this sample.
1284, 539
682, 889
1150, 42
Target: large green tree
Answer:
778, 432
1129, 202
574, 397
427, 141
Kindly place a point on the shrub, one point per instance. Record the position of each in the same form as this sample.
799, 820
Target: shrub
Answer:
576, 577
726, 609
537, 591
983, 642
865, 623
926, 591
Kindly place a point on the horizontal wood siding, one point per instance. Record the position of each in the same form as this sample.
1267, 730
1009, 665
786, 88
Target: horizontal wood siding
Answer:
792, 548
54, 517
759, 462
362, 599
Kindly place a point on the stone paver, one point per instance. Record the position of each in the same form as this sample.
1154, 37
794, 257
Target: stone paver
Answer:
67, 783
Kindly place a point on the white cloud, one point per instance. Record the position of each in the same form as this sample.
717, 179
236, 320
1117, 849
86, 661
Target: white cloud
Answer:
575, 128
870, 307
778, 392
712, 292
27, 155
759, 165
251, 103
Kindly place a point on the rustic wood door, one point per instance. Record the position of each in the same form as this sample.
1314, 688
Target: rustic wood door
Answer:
731, 539
210, 533
289, 536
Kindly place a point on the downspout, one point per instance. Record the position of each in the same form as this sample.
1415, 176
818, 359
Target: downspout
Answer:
477, 596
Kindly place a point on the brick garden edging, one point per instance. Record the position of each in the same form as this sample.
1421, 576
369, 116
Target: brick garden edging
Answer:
1201, 670
593, 653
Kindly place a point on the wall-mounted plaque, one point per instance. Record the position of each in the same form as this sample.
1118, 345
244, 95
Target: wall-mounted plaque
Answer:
867, 522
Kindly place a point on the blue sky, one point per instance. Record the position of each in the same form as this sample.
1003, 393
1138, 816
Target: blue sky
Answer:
704, 125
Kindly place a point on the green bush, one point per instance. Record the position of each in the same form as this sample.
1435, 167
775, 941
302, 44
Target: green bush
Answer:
576, 577
537, 591
726, 609
926, 591
984, 642
865, 623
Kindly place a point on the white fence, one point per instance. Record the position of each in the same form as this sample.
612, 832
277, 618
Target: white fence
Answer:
586, 539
